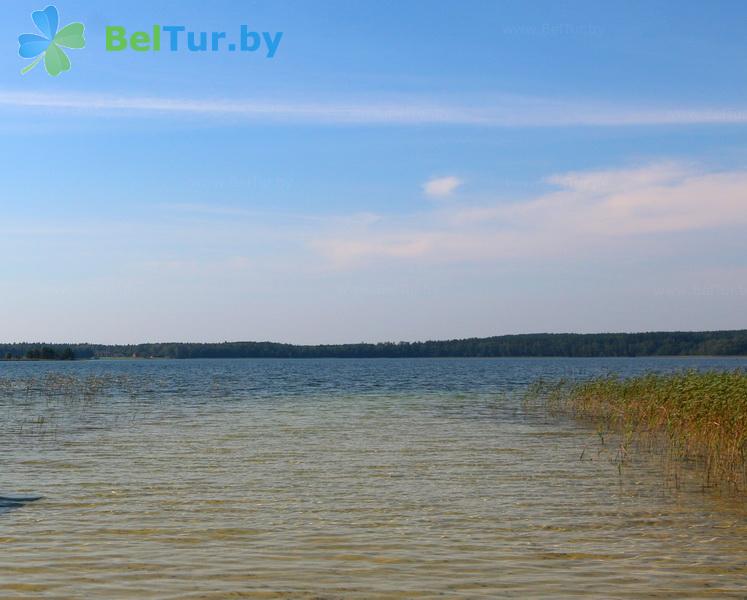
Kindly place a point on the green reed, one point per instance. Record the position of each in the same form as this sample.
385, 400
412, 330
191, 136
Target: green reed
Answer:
48, 404
696, 418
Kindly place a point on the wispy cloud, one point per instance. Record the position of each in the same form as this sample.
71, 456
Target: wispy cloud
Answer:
495, 111
589, 212
440, 187
615, 180
206, 209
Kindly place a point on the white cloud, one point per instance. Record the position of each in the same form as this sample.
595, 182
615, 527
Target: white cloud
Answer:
656, 247
591, 212
661, 207
608, 181
441, 186
496, 111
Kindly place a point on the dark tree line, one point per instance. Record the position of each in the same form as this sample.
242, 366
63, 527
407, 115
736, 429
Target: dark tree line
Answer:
36, 352
713, 343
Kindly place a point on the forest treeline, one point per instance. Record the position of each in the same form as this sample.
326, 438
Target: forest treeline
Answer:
716, 343
36, 352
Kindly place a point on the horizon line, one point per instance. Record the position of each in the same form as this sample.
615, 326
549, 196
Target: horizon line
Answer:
422, 341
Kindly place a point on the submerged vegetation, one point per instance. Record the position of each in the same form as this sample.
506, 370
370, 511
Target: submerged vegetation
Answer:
37, 407
691, 418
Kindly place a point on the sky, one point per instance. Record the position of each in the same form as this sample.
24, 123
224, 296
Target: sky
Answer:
401, 170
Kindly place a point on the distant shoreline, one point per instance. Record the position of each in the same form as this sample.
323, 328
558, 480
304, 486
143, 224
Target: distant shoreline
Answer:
536, 345
162, 358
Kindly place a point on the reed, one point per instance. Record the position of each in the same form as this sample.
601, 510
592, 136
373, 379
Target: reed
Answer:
47, 405
694, 418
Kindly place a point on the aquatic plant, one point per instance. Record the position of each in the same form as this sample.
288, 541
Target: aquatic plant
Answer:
42, 406
694, 418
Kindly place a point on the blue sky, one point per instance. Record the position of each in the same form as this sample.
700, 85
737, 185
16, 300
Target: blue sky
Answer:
398, 170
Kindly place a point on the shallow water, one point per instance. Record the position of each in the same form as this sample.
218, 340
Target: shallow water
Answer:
414, 478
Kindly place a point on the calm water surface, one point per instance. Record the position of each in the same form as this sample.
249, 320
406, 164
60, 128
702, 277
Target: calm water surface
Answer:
421, 478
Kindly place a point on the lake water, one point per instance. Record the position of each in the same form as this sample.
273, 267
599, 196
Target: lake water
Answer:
422, 478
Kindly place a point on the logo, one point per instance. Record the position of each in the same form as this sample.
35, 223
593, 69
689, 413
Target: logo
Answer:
49, 45
177, 38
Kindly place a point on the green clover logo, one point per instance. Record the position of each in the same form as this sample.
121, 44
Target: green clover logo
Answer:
49, 45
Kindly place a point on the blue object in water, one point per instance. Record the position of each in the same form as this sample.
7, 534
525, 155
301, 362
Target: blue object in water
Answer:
8, 503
